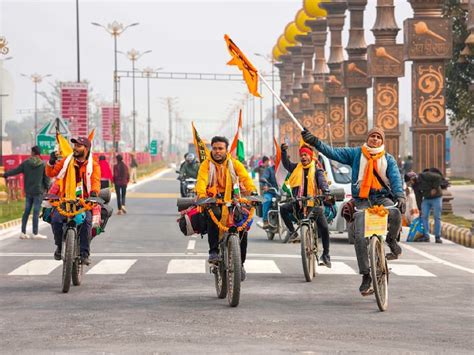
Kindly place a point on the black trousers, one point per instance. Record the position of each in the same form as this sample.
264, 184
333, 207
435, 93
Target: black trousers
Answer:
121, 191
287, 211
213, 236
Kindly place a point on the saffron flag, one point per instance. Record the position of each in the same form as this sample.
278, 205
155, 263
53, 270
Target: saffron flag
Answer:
237, 146
248, 70
200, 146
281, 174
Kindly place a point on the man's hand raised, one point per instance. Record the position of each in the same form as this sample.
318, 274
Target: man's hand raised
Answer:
284, 147
309, 138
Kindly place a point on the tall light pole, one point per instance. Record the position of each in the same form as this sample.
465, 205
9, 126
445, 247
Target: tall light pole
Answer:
2, 95
134, 55
115, 29
36, 79
270, 59
148, 72
170, 103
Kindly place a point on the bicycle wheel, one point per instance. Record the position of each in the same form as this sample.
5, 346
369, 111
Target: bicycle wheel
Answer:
220, 278
68, 259
77, 272
270, 235
234, 270
307, 252
379, 272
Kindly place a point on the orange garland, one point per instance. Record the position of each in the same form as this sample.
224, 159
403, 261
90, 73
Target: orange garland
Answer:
378, 209
225, 228
85, 207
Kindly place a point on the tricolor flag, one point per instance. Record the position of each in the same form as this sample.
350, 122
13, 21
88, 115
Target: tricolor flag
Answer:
237, 146
201, 147
281, 174
248, 70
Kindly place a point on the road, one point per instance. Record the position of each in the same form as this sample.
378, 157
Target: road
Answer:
148, 290
463, 203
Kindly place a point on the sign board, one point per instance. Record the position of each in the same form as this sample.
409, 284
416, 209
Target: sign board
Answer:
375, 224
110, 122
74, 107
154, 147
45, 143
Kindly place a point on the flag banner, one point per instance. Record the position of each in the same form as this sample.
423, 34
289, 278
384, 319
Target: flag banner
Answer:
248, 70
237, 146
201, 148
281, 174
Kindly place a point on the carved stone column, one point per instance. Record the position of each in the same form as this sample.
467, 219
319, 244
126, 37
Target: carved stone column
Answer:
307, 52
428, 43
356, 79
335, 83
386, 65
286, 78
320, 71
295, 101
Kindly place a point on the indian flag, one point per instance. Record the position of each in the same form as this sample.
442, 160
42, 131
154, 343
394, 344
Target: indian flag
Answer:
237, 147
281, 174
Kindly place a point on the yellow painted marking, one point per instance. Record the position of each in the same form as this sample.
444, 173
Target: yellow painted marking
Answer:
152, 195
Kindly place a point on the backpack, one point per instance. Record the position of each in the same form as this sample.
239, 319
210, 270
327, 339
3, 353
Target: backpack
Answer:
191, 221
416, 230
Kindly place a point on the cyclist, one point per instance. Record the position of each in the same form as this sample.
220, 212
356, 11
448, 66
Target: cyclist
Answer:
87, 180
306, 179
220, 174
189, 169
376, 180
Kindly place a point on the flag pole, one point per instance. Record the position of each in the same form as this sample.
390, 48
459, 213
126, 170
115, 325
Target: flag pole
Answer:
280, 101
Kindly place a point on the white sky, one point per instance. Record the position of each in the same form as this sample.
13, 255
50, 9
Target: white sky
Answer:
185, 36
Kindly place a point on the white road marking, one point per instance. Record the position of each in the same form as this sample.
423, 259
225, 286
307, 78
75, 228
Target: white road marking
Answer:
186, 266
338, 268
36, 267
435, 258
112, 267
191, 245
410, 270
261, 267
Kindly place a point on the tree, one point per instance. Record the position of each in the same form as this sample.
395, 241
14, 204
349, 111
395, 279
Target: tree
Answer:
459, 75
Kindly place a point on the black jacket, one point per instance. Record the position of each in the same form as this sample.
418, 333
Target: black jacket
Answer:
426, 182
36, 181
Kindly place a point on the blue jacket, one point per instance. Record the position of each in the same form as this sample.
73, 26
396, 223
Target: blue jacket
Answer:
351, 156
269, 175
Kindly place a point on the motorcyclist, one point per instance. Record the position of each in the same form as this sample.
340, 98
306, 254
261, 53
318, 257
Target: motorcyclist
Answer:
189, 169
376, 180
87, 180
220, 174
267, 182
306, 179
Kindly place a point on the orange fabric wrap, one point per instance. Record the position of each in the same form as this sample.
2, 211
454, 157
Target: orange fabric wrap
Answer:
370, 181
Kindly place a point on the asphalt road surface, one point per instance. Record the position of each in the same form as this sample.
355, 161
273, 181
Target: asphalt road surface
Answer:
148, 290
463, 203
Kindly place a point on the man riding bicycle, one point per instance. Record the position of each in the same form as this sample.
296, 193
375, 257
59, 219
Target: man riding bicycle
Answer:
306, 180
376, 180
222, 175
87, 181
189, 169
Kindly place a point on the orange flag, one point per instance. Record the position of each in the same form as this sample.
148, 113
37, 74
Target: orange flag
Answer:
249, 71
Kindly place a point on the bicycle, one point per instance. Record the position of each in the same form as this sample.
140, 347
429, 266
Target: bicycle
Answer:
228, 269
375, 229
74, 211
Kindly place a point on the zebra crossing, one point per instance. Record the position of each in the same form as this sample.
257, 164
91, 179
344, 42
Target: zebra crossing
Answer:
43, 267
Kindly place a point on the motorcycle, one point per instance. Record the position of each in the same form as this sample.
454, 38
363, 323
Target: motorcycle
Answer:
275, 222
188, 186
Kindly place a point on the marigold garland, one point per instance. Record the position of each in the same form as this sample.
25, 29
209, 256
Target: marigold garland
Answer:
225, 228
81, 202
379, 210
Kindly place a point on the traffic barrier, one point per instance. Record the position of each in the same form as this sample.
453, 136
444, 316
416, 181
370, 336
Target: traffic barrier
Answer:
455, 234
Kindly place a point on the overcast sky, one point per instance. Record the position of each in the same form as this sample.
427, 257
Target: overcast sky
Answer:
184, 36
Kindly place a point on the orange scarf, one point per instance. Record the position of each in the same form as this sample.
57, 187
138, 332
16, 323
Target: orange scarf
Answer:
370, 181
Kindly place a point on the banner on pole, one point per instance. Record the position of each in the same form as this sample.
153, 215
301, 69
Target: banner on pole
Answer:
74, 107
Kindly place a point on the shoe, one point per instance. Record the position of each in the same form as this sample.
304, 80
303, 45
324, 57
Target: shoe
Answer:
86, 260
24, 236
326, 260
213, 257
124, 210
119, 212
266, 225
366, 285
39, 236
294, 237
439, 241
57, 254
425, 238
395, 250
243, 274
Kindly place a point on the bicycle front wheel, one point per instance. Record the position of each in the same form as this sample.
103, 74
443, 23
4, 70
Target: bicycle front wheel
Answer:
220, 277
234, 270
308, 257
379, 272
68, 261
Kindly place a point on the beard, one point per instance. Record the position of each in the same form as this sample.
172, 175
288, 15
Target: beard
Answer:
79, 155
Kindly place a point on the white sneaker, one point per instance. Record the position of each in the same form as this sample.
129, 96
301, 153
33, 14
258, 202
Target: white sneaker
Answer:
24, 236
39, 236
124, 210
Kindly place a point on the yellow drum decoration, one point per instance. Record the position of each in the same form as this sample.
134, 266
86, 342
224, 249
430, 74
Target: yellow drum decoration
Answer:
300, 20
311, 7
276, 53
283, 44
291, 31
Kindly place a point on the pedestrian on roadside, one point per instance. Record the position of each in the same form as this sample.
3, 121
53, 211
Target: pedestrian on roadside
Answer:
121, 180
413, 210
36, 183
105, 173
133, 169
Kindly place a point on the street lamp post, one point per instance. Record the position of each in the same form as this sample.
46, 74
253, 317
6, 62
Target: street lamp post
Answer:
134, 55
2, 95
36, 79
148, 72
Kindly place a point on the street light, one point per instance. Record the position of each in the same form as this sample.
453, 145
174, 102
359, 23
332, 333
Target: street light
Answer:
36, 79
148, 72
270, 60
133, 55
2, 95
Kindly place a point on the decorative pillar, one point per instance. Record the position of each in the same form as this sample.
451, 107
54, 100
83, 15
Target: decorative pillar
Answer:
307, 52
386, 65
335, 82
286, 77
320, 70
297, 89
356, 79
428, 43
